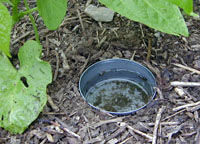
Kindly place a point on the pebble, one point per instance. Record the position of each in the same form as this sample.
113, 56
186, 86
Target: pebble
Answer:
100, 14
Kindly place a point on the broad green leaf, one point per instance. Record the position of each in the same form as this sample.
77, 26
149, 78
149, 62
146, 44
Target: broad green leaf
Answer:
6, 1
186, 5
52, 12
21, 102
5, 29
158, 14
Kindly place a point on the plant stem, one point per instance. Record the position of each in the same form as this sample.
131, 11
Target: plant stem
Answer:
15, 15
149, 49
34, 28
22, 14
32, 21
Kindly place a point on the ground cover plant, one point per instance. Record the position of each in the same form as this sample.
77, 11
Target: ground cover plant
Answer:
23, 91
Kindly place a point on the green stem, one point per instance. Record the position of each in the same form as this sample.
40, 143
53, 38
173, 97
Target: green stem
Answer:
22, 14
32, 21
15, 15
35, 28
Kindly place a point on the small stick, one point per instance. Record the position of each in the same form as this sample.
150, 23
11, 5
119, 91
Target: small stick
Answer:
53, 113
185, 84
21, 37
53, 106
143, 35
159, 93
57, 65
47, 45
124, 141
140, 133
85, 64
195, 108
65, 128
106, 122
149, 49
187, 68
155, 131
186, 106
133, 56
88, 3
81, 22
197, 138
164, 123
101, 42
173, 115
153, 69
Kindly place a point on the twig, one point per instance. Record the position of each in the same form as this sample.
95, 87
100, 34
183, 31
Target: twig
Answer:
164, 123
149, 49
47, 45
53, 106
101, 42
186, 106
158, 117
197, 138
64, 127
116, 133
142, 35
185, 84
21, 37
187, 68
123, 142
173, 115
193, 109
81, 22
133, 56
153, 69
85, 64
57, 65
160, 93
53, 113
140, 133
119, 119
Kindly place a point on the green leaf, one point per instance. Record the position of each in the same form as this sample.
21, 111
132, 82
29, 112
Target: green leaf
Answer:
6, 1
52, 12
5, 29
158, 14
23, 92
187, 5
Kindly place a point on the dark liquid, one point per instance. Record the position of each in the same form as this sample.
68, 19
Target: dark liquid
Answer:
117, 95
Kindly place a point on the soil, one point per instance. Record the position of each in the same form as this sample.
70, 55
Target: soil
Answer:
67, 119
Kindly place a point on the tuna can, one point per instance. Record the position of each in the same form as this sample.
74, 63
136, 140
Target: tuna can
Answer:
117, 86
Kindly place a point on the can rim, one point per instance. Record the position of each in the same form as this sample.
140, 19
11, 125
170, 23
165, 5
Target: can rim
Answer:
113, 60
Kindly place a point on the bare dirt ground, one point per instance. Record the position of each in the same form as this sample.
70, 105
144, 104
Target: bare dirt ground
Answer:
67, 119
